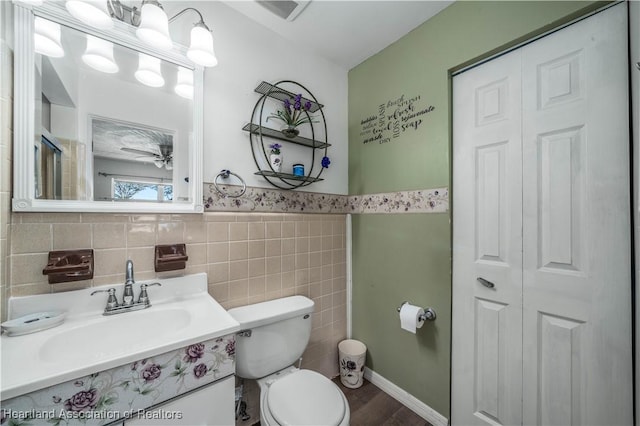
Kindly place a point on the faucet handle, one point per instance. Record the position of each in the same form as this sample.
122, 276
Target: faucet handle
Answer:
112, 302
144, 297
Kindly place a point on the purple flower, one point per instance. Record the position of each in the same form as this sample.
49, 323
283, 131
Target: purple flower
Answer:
325, 162
291, 114
207, 203
231, 348
83, 400
297, 102
200, 370
194, 352
275, 148
151, 372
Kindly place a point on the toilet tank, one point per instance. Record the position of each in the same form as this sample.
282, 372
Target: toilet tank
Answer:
280, 331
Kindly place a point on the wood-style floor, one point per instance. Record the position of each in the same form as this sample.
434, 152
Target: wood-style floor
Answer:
371, 407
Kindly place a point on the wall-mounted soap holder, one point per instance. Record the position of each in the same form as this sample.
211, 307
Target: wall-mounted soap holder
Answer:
171, 257
69, 265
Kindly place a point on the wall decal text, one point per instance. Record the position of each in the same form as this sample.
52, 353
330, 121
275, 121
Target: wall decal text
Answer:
394, 118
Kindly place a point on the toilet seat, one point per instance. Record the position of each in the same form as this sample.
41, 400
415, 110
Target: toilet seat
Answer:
304, 397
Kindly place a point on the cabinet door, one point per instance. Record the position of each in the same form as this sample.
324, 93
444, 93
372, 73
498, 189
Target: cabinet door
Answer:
210, 405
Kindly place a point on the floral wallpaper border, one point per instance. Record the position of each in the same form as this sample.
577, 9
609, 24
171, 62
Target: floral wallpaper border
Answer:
124, 392
281, 201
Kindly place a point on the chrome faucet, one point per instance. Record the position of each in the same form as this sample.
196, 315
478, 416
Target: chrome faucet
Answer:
127, 295
128, 303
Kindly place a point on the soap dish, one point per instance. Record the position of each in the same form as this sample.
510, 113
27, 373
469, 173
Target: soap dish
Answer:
69, 265
33, 322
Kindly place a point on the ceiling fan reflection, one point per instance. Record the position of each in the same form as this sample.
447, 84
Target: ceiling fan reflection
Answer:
163, 159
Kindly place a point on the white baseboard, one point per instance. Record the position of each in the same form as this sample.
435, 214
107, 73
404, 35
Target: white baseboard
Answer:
406, 399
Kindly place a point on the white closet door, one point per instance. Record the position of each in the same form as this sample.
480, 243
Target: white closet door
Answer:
577, 258
487, 243
541, 209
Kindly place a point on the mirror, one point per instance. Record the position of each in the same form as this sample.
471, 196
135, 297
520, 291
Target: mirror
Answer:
106, 124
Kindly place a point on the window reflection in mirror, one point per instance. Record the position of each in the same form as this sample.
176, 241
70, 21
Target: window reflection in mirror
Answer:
110, 124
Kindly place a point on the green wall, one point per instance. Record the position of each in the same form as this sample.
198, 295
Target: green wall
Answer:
399, 257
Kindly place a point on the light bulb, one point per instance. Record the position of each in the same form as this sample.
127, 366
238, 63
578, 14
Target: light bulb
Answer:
99, 55
158, 163
91, 12
168, 165
201, 48
184, 87
148, 72
154, 27
47, 38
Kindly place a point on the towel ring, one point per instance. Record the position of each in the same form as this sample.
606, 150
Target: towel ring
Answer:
225, 175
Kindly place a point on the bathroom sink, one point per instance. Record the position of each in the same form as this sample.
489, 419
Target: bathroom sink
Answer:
112, 335
182, 313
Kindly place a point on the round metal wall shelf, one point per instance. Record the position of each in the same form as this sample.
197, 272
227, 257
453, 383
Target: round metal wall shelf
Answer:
259, 135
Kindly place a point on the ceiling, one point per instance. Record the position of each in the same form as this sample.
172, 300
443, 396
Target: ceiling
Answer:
125, 141
349, 31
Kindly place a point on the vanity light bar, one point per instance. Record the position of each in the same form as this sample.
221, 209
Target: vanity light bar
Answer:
152, 23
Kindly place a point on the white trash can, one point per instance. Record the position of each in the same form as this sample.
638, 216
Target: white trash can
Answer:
352, 354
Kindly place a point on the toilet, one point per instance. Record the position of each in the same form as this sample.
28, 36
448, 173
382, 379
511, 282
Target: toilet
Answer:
273, 337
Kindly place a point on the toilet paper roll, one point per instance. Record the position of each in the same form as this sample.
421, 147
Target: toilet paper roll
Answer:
410, 317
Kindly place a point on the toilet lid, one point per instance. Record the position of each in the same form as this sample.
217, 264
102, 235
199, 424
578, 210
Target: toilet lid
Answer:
305, 398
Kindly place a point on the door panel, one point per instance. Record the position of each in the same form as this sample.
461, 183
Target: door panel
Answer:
561, 193
576, 227
490, 333
490, 203
559, 367
487, 322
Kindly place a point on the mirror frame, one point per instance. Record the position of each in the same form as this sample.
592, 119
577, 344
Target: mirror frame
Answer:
24, 107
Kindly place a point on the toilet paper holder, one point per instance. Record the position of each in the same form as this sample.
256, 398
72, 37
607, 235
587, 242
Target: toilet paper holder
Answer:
429, 313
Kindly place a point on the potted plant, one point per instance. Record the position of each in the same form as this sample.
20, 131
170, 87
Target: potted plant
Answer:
293, 115
275, 157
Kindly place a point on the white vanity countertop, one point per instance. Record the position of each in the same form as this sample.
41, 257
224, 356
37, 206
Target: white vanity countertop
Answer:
182, 313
